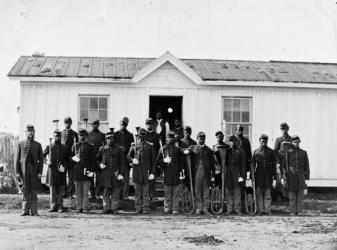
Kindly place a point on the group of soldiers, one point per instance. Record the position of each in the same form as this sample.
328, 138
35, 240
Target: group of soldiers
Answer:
99, 164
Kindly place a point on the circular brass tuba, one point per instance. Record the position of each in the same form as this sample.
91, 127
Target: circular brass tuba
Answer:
186, 195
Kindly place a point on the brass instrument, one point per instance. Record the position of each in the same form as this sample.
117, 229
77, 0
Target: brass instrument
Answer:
250, 193
217, 194
184, 195
187, 196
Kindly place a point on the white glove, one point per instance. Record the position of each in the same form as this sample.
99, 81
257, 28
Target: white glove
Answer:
305, 182
186, 152
39, 176
212, 179
249, 183
120, 177
282, 181
61, 169
217, 171
102, 166
274, 183
240, 179
167, 160
90, 174
135, 161
75, 158
151, 177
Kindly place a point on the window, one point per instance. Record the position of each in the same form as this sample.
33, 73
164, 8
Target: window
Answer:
237, 110
93, 108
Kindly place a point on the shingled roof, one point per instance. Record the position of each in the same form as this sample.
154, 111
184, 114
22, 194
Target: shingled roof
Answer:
207, 69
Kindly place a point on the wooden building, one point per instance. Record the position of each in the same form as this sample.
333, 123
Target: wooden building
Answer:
208, 95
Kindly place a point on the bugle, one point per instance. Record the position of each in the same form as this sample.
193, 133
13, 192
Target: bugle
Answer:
250, 192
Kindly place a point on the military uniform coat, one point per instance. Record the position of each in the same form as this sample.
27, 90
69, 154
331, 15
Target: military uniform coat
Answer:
153, 137
236, 167
147, 162
265, 167
59, 156
114, 159
245, 145
97, 139
123, 139
204, 154
67, 138
35, 149
279, 153
298, 164
87, 160
173, 169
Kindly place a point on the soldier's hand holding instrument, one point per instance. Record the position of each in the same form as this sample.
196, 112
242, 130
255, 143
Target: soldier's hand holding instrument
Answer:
61, 169
102, 166
120, 177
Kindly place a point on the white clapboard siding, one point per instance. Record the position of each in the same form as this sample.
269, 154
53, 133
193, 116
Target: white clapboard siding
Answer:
311, 113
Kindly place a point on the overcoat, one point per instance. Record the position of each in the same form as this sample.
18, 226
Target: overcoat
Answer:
87, 160
236, 167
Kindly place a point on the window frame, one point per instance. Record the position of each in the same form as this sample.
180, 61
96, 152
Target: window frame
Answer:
80, 122
224, 123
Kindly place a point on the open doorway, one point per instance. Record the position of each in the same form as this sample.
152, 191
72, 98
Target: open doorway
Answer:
170, 106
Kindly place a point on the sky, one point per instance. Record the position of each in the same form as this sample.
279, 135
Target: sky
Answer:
289, 30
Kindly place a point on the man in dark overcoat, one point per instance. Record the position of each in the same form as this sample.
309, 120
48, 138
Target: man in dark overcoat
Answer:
144, 163
282, 144
97, 139
235, 173
58, 161
112, 161
28, 169
220, 152
68, 138
171, 161
124, 139
264, 166
297, 173
203, 171
84, 158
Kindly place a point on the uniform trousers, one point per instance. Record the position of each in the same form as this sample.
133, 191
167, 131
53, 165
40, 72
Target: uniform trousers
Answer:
202, 197
110, 198
81, 190
29, 191
263, 196
56, 196
142, 198
171, 199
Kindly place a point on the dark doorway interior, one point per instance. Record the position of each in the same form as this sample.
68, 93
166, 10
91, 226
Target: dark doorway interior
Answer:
170, 106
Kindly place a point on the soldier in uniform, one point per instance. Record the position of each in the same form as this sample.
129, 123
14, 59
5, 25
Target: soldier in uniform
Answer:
282, 144
219, 156
263, 162
203, 166
143, 159
57, 161
28, 169
161, 126
97, 139
84, 158
297, 173
153, 138
68, 137
124, 139
185, 143
170, 159
235, 171
112, 161
244, 144
178, 130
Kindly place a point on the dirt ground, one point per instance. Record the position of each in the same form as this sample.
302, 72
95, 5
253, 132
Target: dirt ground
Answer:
315, 230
